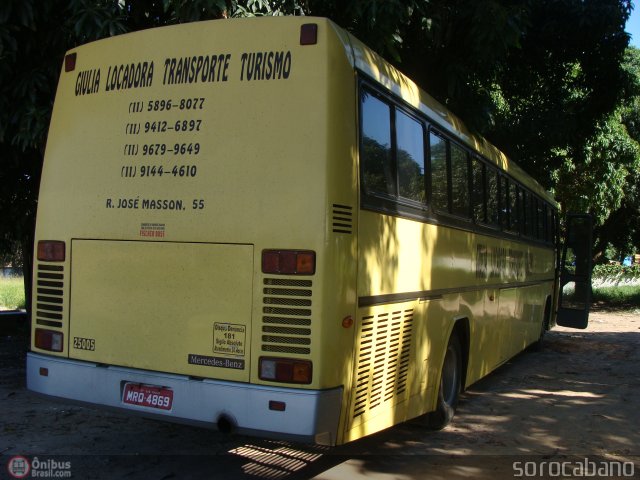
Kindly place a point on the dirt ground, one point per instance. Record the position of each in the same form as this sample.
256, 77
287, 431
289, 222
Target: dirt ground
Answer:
574, 405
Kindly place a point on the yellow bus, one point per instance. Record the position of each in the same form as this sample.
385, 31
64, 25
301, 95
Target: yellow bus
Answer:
261, 225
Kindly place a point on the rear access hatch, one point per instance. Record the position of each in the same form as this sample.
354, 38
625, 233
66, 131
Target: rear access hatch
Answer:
183, 308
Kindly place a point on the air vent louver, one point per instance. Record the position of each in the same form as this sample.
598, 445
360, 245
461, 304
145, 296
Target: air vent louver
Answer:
342, 219
383, 360
49, 295
286, 321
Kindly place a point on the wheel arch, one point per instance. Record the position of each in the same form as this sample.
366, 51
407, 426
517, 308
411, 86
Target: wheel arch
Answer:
461, 328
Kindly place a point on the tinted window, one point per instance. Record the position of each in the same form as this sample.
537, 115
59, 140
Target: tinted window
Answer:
550, 225
410, 157
521, 215
514, 218
478, 182
541, 219
492, 196
533, 218
504, 202
379, 176
459, 182
525, 213
438, 151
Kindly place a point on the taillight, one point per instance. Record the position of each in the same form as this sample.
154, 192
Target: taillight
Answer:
51, 251
289, 262
49, 340
285, 370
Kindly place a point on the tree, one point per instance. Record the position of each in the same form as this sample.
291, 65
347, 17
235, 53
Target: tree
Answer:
621, 229
562, 84
33, 38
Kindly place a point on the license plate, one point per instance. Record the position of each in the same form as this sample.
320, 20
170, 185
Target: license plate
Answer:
147, 396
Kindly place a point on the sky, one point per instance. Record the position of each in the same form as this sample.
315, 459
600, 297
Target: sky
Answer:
633, 26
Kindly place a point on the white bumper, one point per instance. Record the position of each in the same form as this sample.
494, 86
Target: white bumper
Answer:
310, 415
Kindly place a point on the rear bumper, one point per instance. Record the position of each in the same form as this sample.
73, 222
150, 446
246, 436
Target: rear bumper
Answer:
310, 415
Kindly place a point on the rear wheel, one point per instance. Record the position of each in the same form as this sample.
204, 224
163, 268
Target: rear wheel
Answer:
538, 344
450, 386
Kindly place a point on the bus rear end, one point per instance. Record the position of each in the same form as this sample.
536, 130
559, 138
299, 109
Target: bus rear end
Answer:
186, 226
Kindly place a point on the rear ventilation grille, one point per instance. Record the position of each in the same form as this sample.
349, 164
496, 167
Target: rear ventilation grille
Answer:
342, 219
286, 320
49, 295
383, 360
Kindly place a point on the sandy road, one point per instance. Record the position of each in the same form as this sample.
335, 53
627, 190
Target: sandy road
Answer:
576, 401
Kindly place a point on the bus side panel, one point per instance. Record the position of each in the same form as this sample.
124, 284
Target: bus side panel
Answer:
498, 286
389, 381
485, 335
399, 346
337, 327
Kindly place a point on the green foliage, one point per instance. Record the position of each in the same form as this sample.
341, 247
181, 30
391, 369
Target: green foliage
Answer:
621, 229
595, 177
615, 271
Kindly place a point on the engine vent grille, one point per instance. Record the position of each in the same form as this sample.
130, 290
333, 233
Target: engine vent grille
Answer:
383, 360
286, 320
49, 295
342, 219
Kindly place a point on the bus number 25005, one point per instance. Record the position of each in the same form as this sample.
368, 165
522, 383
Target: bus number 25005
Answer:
84, 343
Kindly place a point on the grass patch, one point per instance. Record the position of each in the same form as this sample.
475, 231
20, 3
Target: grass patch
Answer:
11, 293
622, 297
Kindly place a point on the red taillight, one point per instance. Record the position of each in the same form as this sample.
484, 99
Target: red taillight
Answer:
70, 62
289, 262
285, 370
51, 251
49, 340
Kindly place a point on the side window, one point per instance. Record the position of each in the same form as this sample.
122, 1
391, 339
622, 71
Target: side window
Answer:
550, 225
514, 212
439, 183
410, 157
533, 215
459, 181
526, 213
493, 216
521, 211
533, 220
504, 203
541, 219
378, 173
477, 190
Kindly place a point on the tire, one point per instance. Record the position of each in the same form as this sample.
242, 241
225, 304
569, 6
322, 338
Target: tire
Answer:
450, 386
538, 345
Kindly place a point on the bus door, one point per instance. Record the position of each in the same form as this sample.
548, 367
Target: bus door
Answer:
575, 273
